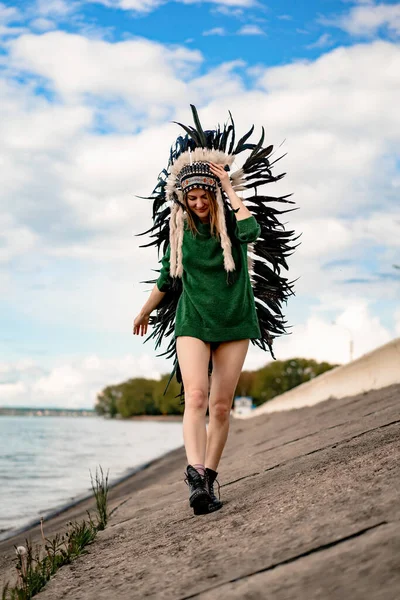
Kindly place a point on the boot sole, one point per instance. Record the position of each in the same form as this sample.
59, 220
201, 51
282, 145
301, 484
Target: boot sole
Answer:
200, 501
214, 507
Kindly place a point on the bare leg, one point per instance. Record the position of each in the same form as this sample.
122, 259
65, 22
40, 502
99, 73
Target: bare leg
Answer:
193, 357
228, 361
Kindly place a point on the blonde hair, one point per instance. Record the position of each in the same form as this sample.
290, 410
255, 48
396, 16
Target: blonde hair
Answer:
218, 228
212, 202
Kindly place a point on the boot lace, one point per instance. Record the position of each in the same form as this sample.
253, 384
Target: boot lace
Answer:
186, 478
211, 486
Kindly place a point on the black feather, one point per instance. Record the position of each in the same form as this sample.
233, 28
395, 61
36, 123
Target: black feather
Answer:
200, 132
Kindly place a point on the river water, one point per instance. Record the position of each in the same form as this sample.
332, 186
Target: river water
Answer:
45, 462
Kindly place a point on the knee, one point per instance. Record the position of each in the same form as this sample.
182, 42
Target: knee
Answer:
196, 400
221, 409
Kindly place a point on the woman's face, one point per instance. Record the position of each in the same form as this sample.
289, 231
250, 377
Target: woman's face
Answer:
199, 203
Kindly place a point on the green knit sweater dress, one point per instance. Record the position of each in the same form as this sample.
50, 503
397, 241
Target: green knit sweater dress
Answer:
209, 307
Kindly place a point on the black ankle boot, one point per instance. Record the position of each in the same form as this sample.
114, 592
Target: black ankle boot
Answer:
199, 498
215, 503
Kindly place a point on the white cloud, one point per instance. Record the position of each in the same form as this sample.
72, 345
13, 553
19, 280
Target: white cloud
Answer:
133, 5
73, 385
41, 24
215, 31
354, 332
15, 240
9, 14
346, 120
232, 3
221, 82
112, 72
250, 30
227, 11
145, 6
45, 127
322, 42
320, 235
368, 19
55, 8
10, 392
379, 227
6, 31
318, 337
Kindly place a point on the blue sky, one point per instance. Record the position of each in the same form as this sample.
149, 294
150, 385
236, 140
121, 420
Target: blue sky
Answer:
88, 93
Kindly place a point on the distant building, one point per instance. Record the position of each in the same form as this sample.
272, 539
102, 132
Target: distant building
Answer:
10, 411
243, 405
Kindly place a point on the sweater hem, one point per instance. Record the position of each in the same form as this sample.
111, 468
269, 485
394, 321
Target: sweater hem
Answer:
220, 335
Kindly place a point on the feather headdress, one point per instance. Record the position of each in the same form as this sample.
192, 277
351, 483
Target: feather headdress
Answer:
268, 253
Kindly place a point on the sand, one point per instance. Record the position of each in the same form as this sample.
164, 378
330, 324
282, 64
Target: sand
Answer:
311, 511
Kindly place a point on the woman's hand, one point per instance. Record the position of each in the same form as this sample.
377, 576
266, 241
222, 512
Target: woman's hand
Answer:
140, 324
222, 175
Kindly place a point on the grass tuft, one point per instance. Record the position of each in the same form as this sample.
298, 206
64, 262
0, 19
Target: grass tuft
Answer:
100, 491
35, 565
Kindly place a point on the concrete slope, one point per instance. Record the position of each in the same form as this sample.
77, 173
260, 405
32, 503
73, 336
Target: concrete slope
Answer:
311, 512
377, 369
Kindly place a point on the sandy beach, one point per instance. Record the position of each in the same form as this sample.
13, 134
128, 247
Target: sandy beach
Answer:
310, 511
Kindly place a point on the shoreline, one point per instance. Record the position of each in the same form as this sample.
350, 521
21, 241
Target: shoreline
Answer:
7, 535
166, 418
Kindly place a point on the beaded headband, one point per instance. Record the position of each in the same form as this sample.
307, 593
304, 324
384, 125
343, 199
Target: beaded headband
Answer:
197, 175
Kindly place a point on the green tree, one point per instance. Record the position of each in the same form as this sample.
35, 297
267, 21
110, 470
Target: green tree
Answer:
170, 403
138, 398
245, 383
106, 402
280, 376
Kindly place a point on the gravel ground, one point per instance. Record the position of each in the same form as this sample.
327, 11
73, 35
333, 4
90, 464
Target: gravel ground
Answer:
311, 511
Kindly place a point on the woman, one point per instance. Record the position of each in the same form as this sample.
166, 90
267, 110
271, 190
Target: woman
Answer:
215, 318
204, 294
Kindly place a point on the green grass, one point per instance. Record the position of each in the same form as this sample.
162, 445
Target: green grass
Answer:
35, 565
100, 491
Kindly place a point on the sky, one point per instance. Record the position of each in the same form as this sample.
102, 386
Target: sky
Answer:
89, 90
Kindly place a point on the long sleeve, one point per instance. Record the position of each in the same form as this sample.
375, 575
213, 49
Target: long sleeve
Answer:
245, 231
164, 281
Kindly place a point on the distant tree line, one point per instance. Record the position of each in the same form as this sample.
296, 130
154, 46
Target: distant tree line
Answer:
140, 396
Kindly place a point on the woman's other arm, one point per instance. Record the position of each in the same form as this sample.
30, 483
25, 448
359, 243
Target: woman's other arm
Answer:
141, 323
